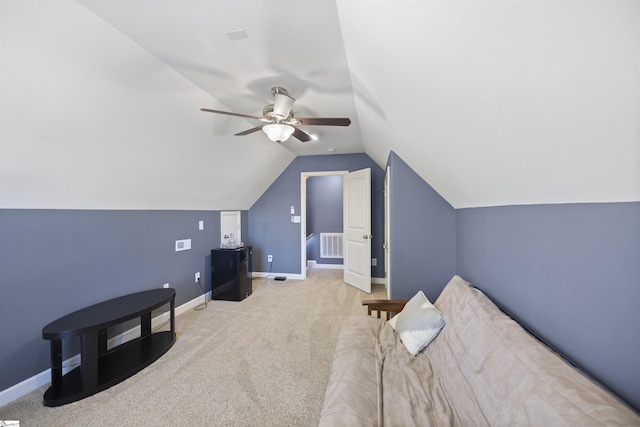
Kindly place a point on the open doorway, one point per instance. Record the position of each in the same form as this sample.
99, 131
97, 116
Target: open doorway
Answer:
324, 216
356, 236
307, 236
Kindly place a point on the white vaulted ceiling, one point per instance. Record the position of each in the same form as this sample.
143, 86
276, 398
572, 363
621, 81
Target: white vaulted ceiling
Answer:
502, 102
491, 102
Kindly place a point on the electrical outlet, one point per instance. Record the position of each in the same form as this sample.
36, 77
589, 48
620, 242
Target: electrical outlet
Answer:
166, 285
269, 258
374, 262
197, 276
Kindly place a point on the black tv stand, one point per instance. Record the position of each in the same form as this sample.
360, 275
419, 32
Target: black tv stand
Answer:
101, 368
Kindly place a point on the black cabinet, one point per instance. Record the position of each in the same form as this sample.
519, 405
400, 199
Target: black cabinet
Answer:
231, 273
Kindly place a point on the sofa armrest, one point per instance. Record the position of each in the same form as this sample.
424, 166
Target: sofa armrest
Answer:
388, 305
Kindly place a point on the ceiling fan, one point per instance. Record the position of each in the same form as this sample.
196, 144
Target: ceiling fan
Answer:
279, 123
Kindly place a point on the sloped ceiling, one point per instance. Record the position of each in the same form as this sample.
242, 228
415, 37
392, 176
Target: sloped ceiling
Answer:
502, 102
491, 102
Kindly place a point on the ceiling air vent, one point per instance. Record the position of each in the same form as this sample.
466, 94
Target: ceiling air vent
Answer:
236, 35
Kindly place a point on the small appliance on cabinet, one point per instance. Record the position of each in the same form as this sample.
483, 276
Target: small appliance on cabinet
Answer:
231, 273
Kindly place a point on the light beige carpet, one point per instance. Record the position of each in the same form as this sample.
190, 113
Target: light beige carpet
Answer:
261, 362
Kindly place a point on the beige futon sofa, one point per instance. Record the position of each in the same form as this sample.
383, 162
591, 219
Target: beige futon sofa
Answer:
482, 369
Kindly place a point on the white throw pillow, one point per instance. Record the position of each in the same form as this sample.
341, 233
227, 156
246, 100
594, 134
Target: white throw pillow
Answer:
418, 323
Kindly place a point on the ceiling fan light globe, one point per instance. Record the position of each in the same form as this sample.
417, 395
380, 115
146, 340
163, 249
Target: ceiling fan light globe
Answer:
278, 132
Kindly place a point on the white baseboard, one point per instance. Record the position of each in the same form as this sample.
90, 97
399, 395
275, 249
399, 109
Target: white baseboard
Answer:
291, 276
314, 264
24, 387
18, 390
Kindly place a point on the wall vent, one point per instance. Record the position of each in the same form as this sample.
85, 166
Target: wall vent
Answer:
331, 245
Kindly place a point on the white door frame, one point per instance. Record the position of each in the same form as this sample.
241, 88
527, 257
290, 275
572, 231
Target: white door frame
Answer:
387, 230
303, 215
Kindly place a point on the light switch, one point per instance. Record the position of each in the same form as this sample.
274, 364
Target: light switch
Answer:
296, 219
293, 210
200, 225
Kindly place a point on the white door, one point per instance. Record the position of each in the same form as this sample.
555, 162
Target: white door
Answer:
357, 229
230, 224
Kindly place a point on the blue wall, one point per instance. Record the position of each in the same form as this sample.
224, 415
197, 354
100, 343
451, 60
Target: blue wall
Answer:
324, 213
272, 231
571, 273
422, 238
53, 262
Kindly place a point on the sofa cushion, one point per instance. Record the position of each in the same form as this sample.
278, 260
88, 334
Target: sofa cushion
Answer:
513, 377
352, 398
418, 323
374, 381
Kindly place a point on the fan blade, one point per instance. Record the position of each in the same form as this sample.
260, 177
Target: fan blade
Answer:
248, 131
324, 121
301, 135
231, 114
282, 105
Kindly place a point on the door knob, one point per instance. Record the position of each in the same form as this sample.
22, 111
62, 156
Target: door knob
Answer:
366, 237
